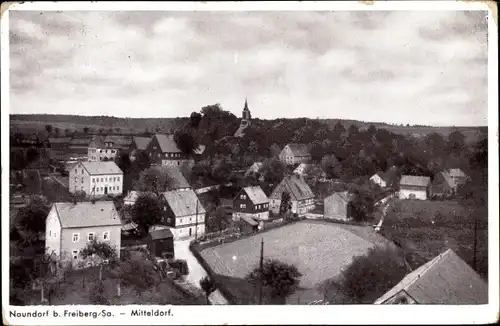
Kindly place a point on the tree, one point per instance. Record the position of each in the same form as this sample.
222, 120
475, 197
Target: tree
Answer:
219, 220
154, 179
142, 161
32, 154
195, 119
208, 286
48, 128
372, 130
353, 130
146, 212
273, 170
456, 141
185, 141
31, 218
280, 278
97, 294
86, 130
370, 276
331, 166
99, 252
361, 203
139, 273
286, 203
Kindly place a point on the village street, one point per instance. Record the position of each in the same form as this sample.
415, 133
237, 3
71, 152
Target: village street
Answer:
196, 271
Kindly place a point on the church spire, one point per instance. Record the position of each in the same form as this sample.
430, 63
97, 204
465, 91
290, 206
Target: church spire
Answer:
246, 105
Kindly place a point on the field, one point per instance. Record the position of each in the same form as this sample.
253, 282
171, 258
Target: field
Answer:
320, 250
430, 227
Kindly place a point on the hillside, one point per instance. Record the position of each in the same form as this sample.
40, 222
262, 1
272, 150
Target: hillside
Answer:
37, 122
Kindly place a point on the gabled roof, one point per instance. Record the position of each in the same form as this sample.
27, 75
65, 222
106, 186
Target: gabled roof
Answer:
446, 279
87, 214
299, 149
447, 178
301, 168
344, 195
183, 203
296, 185
176, 177
95, 168
249, 220
141, 142
456, 173
412, 180
256, 195
167, 143
161, 234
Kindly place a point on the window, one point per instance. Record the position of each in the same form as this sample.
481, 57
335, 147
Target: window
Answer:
93, 180
118, 188
118, 179
75, 254
113, 151
82, 179
100, 151
105, 235
50, 233
106, 179
54, 235
91, 236
76, 237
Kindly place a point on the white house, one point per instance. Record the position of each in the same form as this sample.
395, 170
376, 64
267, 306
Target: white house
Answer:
96, 178
184, 213
69, 227
414, 187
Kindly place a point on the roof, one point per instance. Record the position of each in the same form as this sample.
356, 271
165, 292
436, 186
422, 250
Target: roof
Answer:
344, 195
118, 139
200, 150
389, 175
297, 186
167, 143
141, 142
183, 203
447, 178
411, 180
59, 140
176, 177
161, 234
108, 167
446, 279
249, 220
456, 173
299, 149
301, 168
256, 195
87, 214
81, 141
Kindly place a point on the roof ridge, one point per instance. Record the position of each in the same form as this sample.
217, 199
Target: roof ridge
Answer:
431, 263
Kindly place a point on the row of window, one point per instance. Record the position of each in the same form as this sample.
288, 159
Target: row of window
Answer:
111, 179
191, 220
114, 188
91, 236
259, 206
171, 155
112, 151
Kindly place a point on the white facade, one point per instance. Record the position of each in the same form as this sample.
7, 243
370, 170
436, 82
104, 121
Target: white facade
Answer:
185, 226
96, 184
53, 233
378, 180
409, 193
256, 216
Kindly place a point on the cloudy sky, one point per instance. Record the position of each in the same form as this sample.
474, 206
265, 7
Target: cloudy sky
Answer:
399, 67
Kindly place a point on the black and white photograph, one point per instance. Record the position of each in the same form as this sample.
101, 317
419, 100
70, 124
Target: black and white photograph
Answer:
250, 157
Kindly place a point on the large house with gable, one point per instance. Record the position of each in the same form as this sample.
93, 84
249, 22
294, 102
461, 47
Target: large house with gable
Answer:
295, 154
301, 195
446, 279
251, 202
108, 147
414, 187
162, 150
69, 227
183, 213
96, 178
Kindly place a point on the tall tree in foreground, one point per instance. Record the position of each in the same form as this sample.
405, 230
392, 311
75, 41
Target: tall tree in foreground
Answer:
286, 203
99, 252
146, 212
280, 278
208, 286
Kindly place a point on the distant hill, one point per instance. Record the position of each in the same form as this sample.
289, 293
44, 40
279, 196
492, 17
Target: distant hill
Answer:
37, 122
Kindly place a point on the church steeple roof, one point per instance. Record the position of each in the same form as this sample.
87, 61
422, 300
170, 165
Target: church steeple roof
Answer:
246, 105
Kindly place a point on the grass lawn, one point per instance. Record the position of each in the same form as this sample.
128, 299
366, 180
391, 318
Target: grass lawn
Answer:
320, 250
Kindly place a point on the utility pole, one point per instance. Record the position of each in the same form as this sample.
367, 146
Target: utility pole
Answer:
196, 222
475, 242
261, 269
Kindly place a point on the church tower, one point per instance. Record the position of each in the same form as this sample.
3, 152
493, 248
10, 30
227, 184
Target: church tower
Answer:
246, 117
246, 112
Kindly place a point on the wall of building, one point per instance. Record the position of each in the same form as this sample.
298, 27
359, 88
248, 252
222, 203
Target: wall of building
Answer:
53, 233
113, 182
257, 216
405, 193
98, 154
67, 244
79, 179
335, 208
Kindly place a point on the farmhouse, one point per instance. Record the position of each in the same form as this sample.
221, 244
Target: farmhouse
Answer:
443, 185
385, 179
184, 213
294, 154
108, 147
458, 176
301, 195
337, 206
446, 279
162, 150
69, 227
414, 187
160, 242
138, 144
251, 202
96, 178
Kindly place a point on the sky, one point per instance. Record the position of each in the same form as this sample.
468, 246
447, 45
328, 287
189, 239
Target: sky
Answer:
413, 67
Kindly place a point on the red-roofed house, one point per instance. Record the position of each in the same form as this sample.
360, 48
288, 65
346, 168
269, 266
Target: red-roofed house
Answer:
301, 195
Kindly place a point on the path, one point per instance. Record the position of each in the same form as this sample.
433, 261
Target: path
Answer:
196, 271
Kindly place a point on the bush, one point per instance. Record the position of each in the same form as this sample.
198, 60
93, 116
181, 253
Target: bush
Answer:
97, 294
